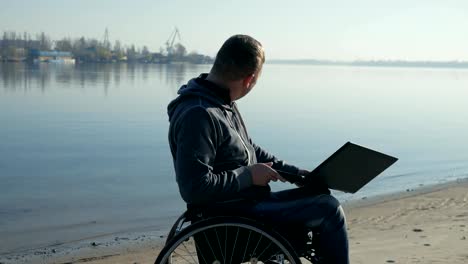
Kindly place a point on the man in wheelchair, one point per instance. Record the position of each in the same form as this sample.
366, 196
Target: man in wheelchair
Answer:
220, 169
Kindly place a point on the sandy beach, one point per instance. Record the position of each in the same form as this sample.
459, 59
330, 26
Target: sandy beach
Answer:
429, 225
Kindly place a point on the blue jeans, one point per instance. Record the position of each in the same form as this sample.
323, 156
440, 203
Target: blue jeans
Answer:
297, 210
294, 211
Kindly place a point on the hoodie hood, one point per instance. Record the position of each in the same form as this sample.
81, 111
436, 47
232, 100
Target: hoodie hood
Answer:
200, 87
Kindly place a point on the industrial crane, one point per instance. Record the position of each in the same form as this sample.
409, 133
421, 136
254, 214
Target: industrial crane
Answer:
170, 41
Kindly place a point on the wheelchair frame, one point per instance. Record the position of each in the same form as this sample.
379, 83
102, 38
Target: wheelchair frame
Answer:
190, 225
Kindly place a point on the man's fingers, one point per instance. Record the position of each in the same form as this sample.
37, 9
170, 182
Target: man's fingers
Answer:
276, 176
269, 164
280, 178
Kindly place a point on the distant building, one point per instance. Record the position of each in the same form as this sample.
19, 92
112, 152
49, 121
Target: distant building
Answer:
15, 50
52, 56
158, 57
199, 59
14, 54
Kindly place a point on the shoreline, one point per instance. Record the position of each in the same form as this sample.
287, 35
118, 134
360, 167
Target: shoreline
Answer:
367, 217
408, 193
457, 65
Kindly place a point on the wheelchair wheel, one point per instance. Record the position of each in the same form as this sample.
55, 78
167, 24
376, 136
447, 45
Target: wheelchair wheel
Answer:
227, 240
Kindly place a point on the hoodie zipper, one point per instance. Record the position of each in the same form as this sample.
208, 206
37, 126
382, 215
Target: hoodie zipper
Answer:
245, 146
242, 141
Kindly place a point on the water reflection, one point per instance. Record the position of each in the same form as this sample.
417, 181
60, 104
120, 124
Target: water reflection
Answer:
22, 77
175, 73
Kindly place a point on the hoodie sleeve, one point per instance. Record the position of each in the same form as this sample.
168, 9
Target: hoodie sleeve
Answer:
196, 142
263, 156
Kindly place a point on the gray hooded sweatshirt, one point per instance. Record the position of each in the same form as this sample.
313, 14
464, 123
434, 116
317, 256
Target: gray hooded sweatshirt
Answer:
210, 146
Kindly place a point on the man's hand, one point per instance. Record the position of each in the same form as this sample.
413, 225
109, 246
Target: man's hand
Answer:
262, 174
316, 184
302, 173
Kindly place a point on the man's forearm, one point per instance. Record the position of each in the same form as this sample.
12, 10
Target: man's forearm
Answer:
204, 187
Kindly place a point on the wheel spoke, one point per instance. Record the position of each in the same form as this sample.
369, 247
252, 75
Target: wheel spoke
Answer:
208, 242
225, 244
247, 246
201, 253
244, 242
191, 254
219, 243
264, 250
235, 242
182, 257
255, 249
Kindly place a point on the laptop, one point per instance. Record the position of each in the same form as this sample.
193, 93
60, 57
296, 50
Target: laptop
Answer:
348, 169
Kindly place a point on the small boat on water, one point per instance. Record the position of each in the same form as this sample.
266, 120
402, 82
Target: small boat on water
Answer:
54, 56
16, 59
56, 61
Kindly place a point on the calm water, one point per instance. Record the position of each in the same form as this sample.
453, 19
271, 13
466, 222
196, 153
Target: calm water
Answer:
83, 149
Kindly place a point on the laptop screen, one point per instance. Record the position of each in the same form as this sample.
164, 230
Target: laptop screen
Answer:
351, 167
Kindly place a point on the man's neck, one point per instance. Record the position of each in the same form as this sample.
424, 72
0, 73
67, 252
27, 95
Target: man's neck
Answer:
214, 79
221, 84
220, 88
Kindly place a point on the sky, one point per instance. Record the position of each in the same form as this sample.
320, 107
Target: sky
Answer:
294, 29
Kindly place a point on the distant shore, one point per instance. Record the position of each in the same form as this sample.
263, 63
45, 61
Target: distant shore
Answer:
429, 224
363, 63
376, 63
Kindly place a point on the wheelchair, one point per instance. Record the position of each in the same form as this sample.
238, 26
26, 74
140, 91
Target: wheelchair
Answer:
197, 237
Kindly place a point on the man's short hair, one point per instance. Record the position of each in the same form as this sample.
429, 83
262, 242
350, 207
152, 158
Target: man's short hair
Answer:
239, 57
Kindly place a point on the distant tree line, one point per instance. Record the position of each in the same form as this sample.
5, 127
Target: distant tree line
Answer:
18, 45
377, 63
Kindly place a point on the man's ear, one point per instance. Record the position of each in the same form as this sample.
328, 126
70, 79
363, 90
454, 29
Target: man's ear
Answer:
248, 80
